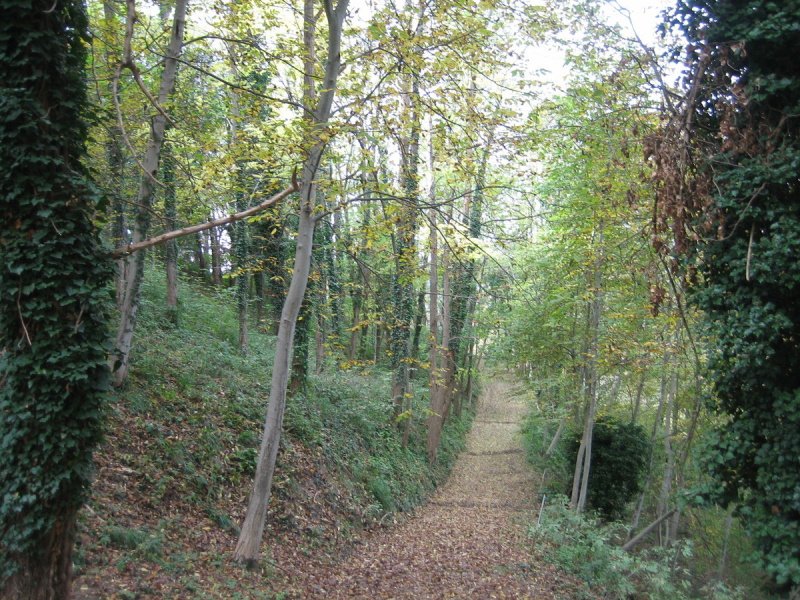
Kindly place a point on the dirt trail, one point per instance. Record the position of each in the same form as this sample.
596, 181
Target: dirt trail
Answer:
468, 541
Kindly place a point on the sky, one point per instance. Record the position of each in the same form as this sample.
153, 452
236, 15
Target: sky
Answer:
635, 18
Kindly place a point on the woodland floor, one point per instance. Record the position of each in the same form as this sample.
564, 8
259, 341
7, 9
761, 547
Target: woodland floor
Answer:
469, 540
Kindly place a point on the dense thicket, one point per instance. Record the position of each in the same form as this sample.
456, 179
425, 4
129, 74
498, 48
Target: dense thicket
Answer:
619, 462
53, 274
743, 246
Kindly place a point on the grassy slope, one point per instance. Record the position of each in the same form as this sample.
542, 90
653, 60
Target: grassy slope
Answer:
174, 474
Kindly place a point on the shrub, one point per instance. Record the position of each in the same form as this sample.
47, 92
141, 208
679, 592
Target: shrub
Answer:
619, 459
590, 550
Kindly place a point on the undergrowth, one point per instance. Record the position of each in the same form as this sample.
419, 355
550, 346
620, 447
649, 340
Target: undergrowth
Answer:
586, 546
175, 471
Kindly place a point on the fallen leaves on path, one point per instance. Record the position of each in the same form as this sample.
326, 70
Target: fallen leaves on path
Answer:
468, 541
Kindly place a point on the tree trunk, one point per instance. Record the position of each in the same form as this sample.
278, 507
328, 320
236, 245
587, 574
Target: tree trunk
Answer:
135, 263
48, 574
580, 483
419, 321
434, 418
666, 535
405, 248
299, 374
319, 342
258, 284
116, 159
171, 247
661, 401
200, 252
355, 330
215, 234
240, 231
247, 547
638, 399
556, 437
54, 282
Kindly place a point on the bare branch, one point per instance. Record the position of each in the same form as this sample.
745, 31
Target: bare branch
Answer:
171, 235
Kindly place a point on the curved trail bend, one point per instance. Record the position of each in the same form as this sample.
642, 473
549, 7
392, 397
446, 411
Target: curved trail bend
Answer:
468, 541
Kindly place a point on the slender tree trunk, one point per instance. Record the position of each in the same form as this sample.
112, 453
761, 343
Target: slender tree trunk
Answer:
247, 547
419, 321
556, 437
319, 342
258, 284
443, 370
665, 532
379, 333
580, 483
638, 399
116, 161
434, 418
135, 263
215, 233
240, 230
299, 374
651, 460
355, 330
171, 247
726, 536
200, 253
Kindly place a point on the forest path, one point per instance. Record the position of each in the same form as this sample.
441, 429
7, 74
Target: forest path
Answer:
468, 541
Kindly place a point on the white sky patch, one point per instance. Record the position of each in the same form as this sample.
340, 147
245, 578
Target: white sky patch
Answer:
635, 18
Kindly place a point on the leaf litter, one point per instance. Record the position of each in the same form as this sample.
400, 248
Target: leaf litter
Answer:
467, 541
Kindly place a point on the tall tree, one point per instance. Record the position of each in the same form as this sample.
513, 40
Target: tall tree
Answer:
129, 301
53, 278
318, 108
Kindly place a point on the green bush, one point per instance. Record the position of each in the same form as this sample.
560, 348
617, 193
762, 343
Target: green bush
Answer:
584, 547
619, 459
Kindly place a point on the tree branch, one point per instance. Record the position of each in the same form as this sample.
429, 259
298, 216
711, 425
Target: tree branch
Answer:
171, 235
629, 545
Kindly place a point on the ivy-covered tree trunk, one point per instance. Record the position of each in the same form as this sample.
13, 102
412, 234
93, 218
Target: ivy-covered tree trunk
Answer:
405, 254
53, 294
734, 212
240, 231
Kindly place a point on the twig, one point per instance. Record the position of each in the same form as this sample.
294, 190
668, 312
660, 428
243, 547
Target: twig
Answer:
21, 319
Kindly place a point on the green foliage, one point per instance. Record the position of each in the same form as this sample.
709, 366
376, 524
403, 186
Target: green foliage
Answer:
347, 416
619, 460
140, 542
592, 551
53, 273
749, 275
